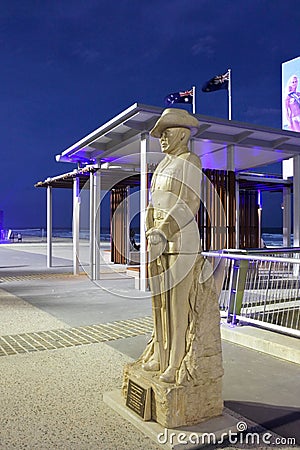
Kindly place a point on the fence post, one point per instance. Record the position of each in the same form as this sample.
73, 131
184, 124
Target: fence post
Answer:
236, 289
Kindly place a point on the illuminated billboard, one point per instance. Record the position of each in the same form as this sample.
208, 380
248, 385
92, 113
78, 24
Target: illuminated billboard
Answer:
291, 95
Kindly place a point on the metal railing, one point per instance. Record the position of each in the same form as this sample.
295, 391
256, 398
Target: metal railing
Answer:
261, 287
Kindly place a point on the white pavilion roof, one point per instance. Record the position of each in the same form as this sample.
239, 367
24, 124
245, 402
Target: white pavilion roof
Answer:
117, 142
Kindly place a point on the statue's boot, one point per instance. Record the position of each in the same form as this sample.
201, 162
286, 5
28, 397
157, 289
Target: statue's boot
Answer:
151, 366
169, 375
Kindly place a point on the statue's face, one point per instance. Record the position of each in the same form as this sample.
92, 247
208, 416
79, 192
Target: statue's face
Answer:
170, 139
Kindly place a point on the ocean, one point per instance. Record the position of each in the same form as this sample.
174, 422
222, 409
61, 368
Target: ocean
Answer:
40, 234
271, 237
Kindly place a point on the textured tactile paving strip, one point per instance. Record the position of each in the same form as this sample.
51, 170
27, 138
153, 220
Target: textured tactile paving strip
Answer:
71, 337
35, 276
106, 270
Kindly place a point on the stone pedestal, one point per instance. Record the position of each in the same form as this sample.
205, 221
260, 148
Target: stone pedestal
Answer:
212, 431
173, 406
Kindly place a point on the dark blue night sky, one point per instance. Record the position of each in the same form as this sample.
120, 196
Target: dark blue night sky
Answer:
69, 66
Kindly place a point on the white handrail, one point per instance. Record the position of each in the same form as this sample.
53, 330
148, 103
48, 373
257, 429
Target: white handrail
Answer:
250, 257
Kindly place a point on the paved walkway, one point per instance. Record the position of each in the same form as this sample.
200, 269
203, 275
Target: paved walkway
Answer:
65, 341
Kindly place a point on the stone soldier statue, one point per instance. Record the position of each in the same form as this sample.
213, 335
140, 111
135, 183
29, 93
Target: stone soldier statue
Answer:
181, 368
173, 240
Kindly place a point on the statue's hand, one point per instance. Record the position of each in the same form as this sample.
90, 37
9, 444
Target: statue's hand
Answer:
156, 236
157, 243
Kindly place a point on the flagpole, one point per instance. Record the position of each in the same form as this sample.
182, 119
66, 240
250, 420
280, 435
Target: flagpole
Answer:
229, 94
194, 99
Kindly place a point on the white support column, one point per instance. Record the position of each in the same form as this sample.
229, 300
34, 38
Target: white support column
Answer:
49, 226
296, 201
95, 225
75, 226
127, 225
144, 148
192, 145
97, 211
230, 157
237, 213
259, 214
230, 165
92, 227
287, 222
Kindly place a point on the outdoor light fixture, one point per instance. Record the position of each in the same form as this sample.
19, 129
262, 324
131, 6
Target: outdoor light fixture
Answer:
107, 165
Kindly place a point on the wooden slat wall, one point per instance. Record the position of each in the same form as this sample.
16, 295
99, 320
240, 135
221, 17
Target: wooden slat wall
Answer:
249, 224
118, 222
217, 213
216, 217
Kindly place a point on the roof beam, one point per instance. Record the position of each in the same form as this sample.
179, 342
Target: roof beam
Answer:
116, 137
104, 149
277, 143
242, 136
266, 145
203, 127
218, 137
97, 145
141, 126
126, 137
262, 179
110, 147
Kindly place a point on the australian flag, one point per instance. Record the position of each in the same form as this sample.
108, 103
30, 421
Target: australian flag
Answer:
179, 97
216, 83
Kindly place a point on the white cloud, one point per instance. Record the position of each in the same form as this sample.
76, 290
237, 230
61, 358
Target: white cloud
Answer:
204, 45
260, 112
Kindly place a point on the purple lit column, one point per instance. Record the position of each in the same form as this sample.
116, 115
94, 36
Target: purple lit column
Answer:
259, 205
92, 227
95, 197
144, 148
237, 213
286, 218
296, 205
296, 202
230, 166
75, 227
49, 226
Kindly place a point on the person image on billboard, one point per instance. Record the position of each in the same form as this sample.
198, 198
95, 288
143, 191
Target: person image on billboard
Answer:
292, 104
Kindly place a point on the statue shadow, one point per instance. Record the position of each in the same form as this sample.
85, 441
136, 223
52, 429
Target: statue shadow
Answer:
282, 420
13, 266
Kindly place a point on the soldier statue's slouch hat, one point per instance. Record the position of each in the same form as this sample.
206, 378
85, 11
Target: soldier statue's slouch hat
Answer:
175, 118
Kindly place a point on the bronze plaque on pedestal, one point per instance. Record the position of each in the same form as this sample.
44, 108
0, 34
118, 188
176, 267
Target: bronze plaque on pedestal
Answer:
139, 400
